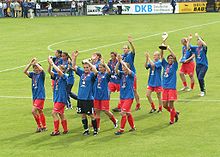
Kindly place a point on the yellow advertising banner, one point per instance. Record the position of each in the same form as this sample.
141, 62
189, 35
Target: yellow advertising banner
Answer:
192, 7
217, 6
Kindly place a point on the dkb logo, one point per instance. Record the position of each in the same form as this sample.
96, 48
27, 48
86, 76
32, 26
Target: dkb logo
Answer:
143, 8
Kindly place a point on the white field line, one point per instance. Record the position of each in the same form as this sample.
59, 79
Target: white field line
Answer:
113, 44
116, 99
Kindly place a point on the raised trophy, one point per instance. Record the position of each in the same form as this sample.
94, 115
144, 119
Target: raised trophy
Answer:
163, 46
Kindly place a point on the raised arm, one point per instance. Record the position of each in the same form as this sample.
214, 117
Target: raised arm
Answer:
51, 64
106, 66
130, 40
188, 41
171, 52
74, 57
93, 67
162, 54
199, 38
26, 72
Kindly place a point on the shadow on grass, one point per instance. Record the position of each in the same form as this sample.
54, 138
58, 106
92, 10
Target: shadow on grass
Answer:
155, 128
19, 137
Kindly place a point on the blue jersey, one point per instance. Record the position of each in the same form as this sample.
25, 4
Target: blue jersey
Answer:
101, 91
114, 76
200, 55
85, 89
155, 75
38, 90
57, 62
169, 75
126, 85
129, 58
186, 54
97, 64
59, 90
69, 71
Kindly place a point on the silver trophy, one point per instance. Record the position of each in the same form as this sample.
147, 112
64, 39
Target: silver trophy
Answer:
163, 46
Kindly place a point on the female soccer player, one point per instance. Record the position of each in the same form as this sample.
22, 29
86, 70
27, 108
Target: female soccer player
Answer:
188, 65
85, 99
200, 52
57, 60
66, 62
169, 94
126, 94
59, 96
38, 93
102, 95
114, 83
128, 56
154, 81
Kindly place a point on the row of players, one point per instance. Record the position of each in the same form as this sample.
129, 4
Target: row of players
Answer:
98, 78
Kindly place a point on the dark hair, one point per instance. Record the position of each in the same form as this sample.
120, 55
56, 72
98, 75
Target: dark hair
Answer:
114, 53
169, 56
35, 65
68, 56
59, 52
99, 54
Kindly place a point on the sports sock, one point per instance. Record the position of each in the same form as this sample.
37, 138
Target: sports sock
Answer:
119, 104
56, 125
98, 122
192, 85
152, 105
64, 124
43, 120
184, 84
172, 115
113, 119
94, 124
160, 107
85, 123
123, 122
131, 121
37, 119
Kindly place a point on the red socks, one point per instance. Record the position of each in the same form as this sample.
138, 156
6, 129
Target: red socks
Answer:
64, 124
56, 125
192, 85
160, 107
123, 122
37, 119
113, 119
119, 104
98, 122
42, 120
152, 105
172, 115
131, 121
184, 84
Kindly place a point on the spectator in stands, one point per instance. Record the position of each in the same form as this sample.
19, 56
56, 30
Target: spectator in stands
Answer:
80, 8
25, 9
1, 9
73, 8
105, 9
31, 7
12, 9
38, 7
119, 6
49, 8
17, 8
5, 7
173, 3
110, 3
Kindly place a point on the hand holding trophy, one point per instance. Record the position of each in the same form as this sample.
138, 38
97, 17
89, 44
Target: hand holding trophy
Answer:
163, 46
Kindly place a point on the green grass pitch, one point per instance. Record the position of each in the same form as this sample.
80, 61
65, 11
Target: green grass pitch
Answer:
195, 135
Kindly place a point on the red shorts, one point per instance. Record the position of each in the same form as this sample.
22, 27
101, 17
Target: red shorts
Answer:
135, 82
39, 104
169, 95
188, 68
113, 87
126, 105
155, 89
58, 107
101, 105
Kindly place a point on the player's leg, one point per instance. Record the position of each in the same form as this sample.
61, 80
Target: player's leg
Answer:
191, 75
94, 124
153, 108
136, 95
64, 123
56, 123
97, 117
112, 118
201, 72
122, 124
131, 121
68, 89
85, 124
37, 118
173, 113
192, 81
166, 106
159, 102
42, 120
183, 78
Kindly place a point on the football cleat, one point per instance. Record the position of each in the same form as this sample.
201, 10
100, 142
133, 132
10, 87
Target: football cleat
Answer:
86, 133
55, 133
118, 132
138, 107
65, 132
184, 88
132, 129
116, 110
202, 94
95, 133
152, 110
38, 130
44, 129
116, 124
159, 111
177, 116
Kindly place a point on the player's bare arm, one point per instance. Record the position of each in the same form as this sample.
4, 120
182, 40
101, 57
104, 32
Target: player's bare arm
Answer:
26, 72
130, 40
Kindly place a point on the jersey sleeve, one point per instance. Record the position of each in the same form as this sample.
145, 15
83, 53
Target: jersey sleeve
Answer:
175, 65
30, 75
79, 71
193, 49
158, 64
